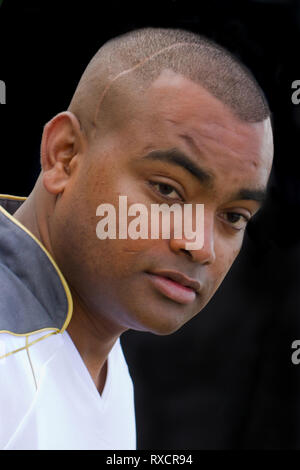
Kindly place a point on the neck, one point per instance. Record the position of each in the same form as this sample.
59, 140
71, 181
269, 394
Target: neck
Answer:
93, 338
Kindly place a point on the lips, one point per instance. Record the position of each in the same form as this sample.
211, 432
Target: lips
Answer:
175, 285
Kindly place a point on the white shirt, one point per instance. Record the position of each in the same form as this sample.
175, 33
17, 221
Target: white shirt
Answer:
48, 399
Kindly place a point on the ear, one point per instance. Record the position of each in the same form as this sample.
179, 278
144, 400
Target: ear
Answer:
62, 140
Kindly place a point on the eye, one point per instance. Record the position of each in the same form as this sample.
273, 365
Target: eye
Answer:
166, 190
237, 220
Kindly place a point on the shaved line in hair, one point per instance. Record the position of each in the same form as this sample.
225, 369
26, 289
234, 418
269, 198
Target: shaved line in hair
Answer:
134, 60
132, 69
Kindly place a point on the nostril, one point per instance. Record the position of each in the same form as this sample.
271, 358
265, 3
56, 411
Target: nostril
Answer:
187, 252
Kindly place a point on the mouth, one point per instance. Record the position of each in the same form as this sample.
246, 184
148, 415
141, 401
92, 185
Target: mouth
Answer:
175, 285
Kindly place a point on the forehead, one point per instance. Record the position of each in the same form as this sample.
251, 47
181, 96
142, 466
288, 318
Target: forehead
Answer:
178, 112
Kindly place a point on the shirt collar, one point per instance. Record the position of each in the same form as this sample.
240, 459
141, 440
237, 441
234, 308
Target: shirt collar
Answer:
34, 293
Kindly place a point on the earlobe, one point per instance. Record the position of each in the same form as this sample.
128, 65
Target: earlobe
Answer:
61, 142
55, 179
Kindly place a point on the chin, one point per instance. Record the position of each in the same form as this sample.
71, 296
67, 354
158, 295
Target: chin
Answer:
163, 322
159, 330
165, 330
150, 311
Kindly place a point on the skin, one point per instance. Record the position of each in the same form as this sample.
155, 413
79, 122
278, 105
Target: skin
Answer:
108, 278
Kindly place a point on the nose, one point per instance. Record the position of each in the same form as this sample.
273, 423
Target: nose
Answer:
206, 254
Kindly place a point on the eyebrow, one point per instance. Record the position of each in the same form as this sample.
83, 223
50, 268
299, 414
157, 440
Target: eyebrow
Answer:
258, 195
206, 178
178, 158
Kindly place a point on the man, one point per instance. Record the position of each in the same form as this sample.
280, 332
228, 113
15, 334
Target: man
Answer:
159, 116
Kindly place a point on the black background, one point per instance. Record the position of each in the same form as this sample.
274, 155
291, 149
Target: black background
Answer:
225, 380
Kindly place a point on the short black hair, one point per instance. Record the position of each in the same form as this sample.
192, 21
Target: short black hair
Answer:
140, 56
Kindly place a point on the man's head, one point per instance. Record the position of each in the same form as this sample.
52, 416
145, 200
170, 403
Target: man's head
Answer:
159, 116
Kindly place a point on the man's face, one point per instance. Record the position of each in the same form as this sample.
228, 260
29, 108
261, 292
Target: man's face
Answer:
124, 280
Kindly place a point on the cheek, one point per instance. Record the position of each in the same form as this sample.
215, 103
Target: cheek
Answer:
111, 257
224, 260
